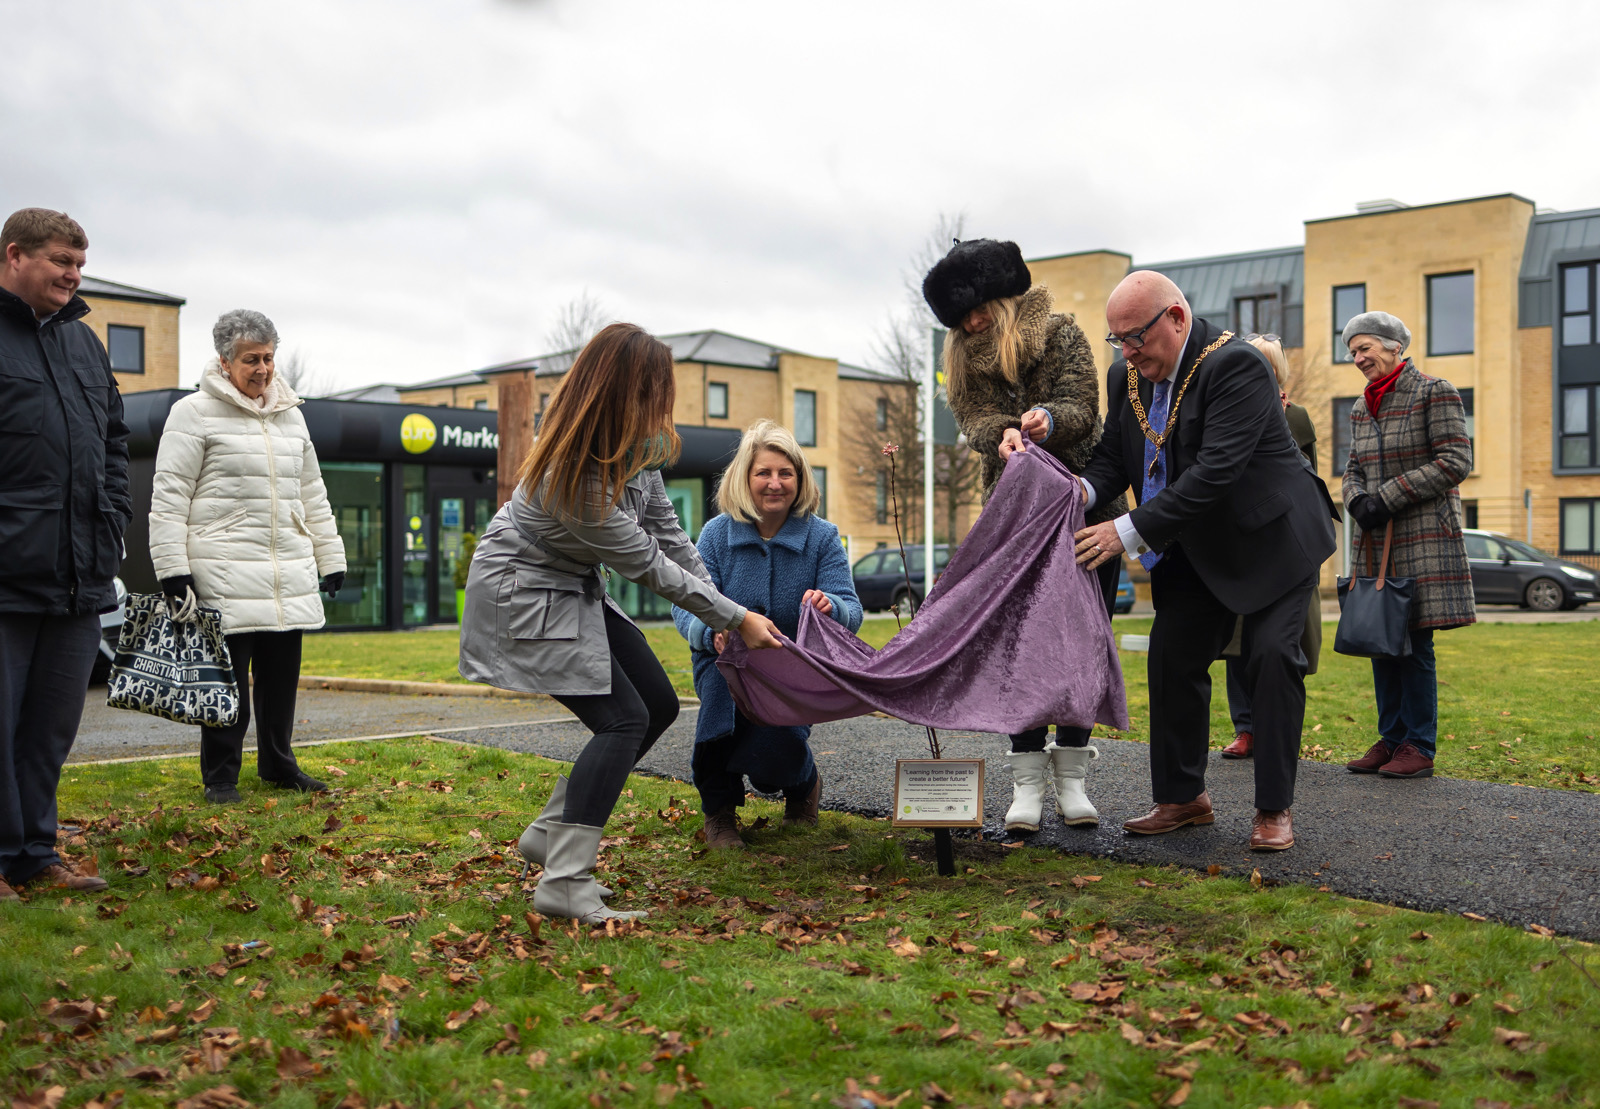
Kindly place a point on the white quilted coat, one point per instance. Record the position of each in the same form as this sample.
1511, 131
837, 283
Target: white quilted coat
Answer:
239, 503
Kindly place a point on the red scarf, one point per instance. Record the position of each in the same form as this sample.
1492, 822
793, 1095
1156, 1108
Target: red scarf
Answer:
1376, 391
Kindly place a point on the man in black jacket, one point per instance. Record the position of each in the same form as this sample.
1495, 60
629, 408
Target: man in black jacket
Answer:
1231, 520
63, 506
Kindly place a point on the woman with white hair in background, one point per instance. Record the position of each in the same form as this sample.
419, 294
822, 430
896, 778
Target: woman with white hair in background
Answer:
1409, 450
240, 522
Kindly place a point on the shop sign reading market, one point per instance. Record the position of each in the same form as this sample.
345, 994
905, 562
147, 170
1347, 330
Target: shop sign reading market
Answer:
418, 433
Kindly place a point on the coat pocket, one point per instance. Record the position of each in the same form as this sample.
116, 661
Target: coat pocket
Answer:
545, 606
223, 523
21, 397
30, 531
1263, 512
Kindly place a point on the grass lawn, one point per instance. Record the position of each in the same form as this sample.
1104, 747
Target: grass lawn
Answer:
1517, 702
373, 947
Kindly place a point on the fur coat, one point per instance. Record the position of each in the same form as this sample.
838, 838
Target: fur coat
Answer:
1056, 372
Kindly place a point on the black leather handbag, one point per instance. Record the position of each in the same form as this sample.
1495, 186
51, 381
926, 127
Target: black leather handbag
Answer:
1375, 612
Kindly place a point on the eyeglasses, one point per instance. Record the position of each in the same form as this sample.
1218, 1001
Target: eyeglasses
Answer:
1269, 337
1135, 339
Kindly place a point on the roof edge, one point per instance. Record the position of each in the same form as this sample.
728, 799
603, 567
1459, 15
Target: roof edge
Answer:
1080, 254
1421, 207
1209, 259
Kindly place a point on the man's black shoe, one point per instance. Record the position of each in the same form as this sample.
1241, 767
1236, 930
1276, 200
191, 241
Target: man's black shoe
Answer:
223, 795
302, 782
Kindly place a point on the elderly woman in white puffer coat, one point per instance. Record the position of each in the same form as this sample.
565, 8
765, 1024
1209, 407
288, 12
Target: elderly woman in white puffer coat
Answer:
240, 522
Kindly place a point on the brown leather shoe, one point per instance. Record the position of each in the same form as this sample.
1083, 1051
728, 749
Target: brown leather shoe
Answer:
803, 809
7, 893
1378, 754
1271, 831
1242, 747
1408, 762
722, 830
1165, 818
56, 876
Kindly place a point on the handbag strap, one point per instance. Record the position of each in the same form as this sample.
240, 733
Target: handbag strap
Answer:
1383, 567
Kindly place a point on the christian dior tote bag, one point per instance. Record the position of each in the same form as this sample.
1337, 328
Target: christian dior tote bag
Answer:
178, 669
1375, 612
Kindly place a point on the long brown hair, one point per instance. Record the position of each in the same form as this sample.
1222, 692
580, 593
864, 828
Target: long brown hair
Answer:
1002, 333
611, 416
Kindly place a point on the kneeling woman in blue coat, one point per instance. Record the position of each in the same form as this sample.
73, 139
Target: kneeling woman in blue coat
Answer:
769, 551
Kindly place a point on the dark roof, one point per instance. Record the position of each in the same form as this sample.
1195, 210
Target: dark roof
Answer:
1552, 233
445, 382
1211, 283
383, 394
113, 290
717, 348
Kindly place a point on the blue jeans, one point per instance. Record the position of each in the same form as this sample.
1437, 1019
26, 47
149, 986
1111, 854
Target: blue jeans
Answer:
1408, 695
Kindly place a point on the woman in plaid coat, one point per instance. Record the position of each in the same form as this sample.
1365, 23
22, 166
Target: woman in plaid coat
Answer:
1409, 450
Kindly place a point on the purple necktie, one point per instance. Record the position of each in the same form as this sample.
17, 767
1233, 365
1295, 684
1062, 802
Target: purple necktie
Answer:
1155, 460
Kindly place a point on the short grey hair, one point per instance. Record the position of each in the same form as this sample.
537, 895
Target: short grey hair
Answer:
241, 326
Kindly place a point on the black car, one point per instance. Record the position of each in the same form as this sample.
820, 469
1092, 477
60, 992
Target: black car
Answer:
1508, 572
881, 581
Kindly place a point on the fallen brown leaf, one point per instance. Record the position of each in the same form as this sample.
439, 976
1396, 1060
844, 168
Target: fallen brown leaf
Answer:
294, 1063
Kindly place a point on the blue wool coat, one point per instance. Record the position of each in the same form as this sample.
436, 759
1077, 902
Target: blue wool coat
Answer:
769, 577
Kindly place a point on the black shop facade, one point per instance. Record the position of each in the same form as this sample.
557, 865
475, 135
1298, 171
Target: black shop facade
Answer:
407, 484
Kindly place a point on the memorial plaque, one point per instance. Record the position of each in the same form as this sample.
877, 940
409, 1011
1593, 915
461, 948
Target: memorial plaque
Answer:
938, 793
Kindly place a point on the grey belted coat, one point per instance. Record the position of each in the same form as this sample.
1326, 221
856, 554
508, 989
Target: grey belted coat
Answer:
534, 620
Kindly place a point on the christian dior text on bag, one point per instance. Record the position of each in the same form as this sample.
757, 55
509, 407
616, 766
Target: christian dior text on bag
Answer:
174, 665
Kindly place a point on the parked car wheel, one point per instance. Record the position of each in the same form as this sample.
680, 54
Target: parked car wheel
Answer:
905, 601
1544, 595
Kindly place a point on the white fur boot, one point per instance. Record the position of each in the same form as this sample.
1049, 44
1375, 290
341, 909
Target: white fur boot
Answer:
1069, 767
1028, 785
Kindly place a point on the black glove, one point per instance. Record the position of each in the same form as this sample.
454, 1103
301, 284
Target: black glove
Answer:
332, 583
177, 588
1371, 513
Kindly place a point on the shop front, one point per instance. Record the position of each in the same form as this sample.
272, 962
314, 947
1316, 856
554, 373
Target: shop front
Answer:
407, 484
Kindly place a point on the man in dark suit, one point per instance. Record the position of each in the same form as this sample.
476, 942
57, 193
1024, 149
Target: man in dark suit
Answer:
1231, 521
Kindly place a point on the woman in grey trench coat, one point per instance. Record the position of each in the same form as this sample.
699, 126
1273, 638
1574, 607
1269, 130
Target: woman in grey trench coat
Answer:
537, 615
1409, 450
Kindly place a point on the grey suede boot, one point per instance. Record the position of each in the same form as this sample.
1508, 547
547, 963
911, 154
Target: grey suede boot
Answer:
568, 887
532, 844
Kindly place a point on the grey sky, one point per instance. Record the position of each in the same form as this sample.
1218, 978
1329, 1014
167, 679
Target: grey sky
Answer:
411, 189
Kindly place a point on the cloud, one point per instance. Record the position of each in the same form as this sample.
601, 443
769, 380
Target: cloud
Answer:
411, 189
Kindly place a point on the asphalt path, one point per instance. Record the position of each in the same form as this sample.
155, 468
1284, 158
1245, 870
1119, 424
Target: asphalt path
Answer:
1512, 853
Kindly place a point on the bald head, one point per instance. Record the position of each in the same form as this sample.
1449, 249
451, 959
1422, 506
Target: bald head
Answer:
1142, 294
1151, 316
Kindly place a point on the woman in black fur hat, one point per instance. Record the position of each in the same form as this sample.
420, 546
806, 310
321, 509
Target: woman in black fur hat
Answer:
1019, 375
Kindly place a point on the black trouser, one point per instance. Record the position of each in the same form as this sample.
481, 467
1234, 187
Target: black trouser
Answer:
1110, 573
626, 723
273, 660
45, 663
1191, 629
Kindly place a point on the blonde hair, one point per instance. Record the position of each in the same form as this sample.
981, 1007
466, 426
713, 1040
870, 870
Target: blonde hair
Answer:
733, 493
1272, 351
1002, 332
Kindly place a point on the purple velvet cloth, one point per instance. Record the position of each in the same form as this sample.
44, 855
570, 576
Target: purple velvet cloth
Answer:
1014, 634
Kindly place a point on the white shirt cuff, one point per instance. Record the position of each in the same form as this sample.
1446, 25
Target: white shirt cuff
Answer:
1132, 542
1089, 495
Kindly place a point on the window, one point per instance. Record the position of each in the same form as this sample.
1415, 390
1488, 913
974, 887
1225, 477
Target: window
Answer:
1577, 304
1580, 526
1472, 425
805, 417
881, 498
1469, 509
1349, 301
126, 347
1341, 432
538, 417
1450, 318
1577, 427
481, 404
883, 414
821, 473
717, 400
1257, 314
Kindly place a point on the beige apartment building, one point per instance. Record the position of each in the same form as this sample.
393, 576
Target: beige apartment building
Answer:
725, 383
1500, 299
139, 328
